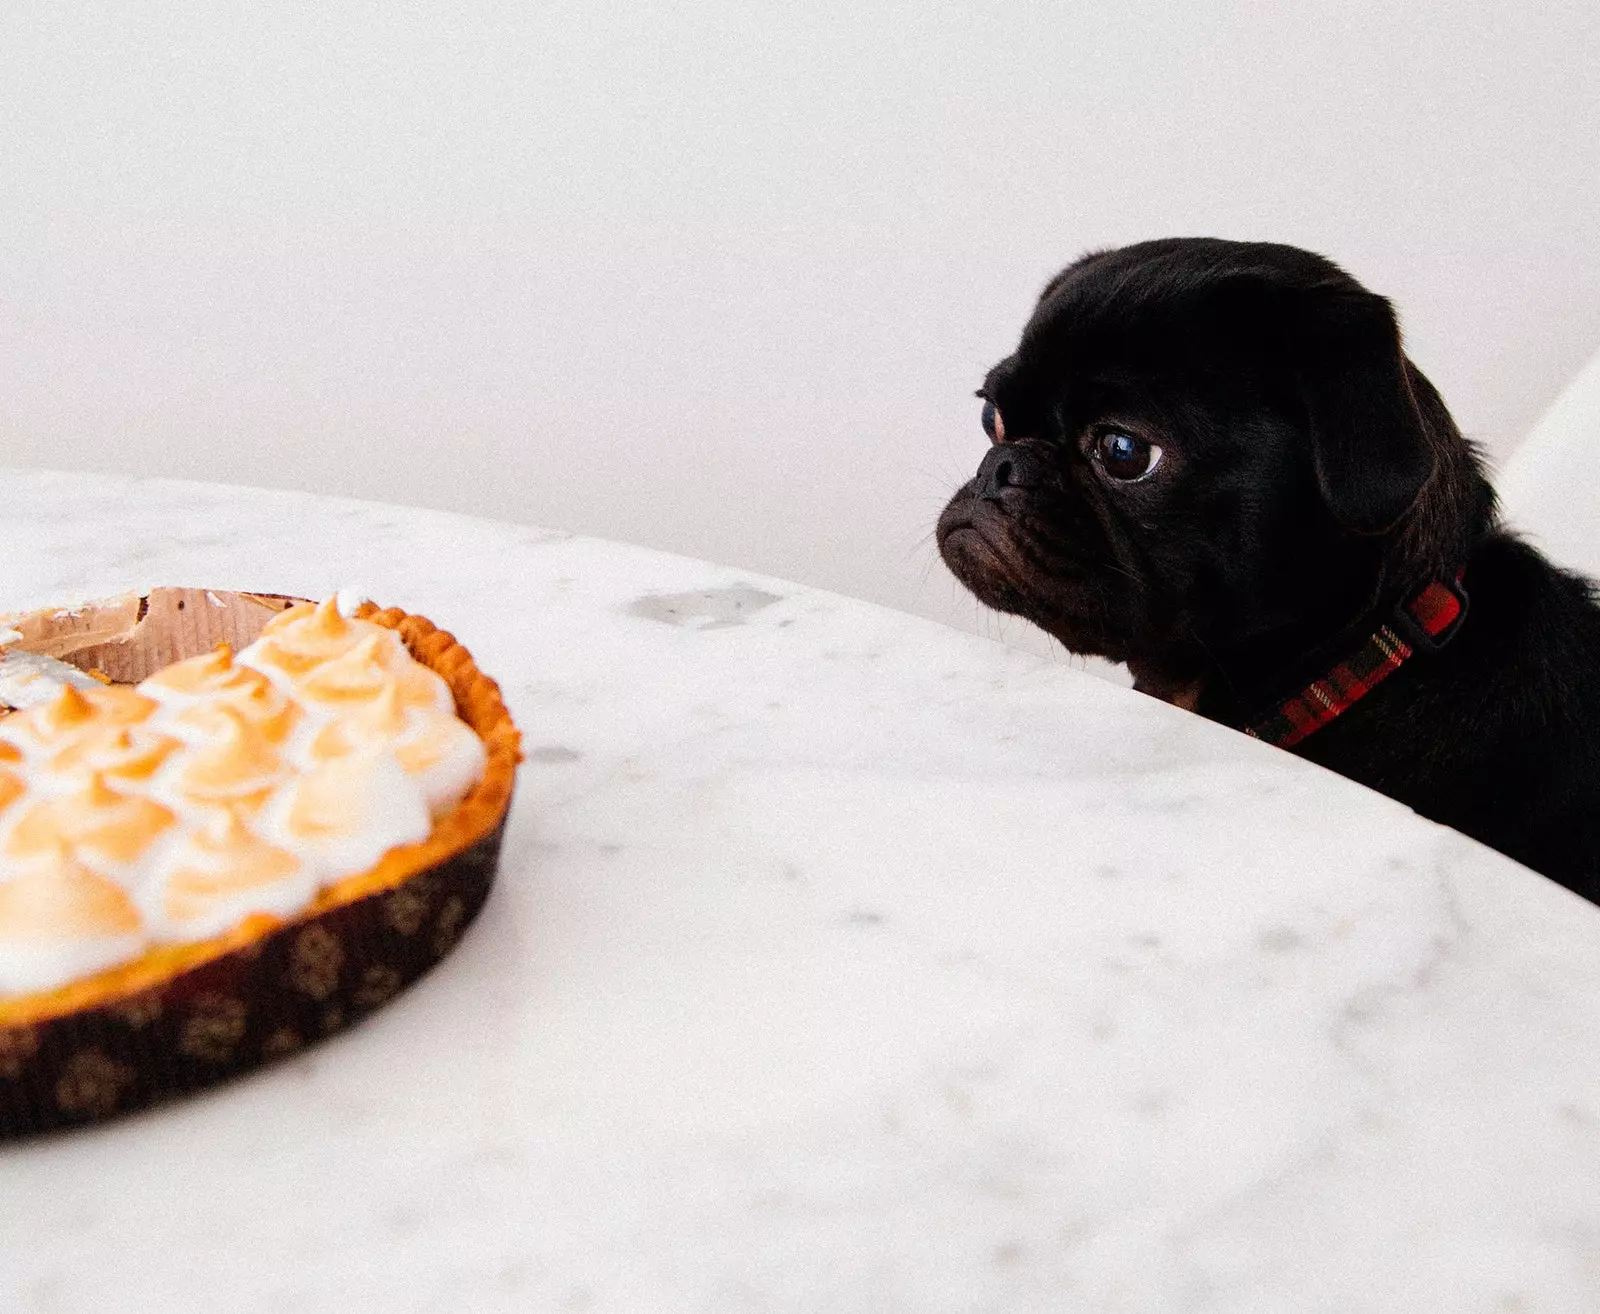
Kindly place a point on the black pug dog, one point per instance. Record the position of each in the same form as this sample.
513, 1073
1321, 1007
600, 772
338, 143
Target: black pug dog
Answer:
1212, 461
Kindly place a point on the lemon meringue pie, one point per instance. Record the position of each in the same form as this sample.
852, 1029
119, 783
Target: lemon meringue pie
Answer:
314, 805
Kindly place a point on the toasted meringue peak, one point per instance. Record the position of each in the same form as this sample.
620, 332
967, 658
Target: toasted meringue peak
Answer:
120, 753
210, 673
327, 622
57, 897
301, 639
76, 710
69, 710
119, 704
224, 831
359, 675
116, 827
195, 692
339, 738
349, 812
225, 872
366, 672
385, 715
313, 624
97, 793
434, 740
263, 707
444, 757
377, 723
12, 787
334, 799
235, 761
60, 921
421, 736
350, 600
9, 752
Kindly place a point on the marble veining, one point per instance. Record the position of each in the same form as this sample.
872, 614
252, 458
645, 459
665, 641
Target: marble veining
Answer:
841, 961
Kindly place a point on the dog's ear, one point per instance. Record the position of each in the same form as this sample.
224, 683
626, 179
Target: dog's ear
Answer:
1370, 440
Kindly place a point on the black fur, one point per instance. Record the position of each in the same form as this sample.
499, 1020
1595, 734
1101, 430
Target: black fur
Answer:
1310, 478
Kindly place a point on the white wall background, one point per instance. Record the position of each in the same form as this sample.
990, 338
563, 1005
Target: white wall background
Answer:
721, 277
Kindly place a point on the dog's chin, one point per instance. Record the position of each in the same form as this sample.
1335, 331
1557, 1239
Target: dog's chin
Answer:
987, 566
980, 546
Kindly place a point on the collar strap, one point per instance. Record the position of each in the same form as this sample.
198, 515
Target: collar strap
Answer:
1425, 622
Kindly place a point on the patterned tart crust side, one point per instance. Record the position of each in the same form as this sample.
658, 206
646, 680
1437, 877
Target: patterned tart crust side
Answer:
473, 825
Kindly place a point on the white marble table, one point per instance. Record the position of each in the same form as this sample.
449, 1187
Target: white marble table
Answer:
841, 962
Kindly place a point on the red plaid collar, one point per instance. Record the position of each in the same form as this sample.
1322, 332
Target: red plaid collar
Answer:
1427, 620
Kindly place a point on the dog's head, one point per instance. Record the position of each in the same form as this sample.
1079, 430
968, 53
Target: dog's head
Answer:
1207, 454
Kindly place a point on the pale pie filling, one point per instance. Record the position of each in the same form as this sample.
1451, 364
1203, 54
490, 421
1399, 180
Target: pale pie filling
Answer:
223, 786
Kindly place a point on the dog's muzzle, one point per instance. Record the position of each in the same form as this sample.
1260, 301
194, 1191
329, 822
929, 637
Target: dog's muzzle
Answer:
1008, 465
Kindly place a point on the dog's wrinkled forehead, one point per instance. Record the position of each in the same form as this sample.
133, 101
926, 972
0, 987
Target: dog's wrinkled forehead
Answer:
1209, 313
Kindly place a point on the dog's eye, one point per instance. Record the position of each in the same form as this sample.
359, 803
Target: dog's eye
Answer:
993, 425
1124, 457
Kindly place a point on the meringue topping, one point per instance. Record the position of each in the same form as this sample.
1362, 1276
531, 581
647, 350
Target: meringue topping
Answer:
347, 813
221, 787
226, 872
236, 762
444, 757
298, 641
357, 676
30, 679
59, 920
383, 718
266, 713
72, 712
96, 821
58, 896
436, 750
367, 671
194, 691
12, 787
209, 674
99, 704
120, 753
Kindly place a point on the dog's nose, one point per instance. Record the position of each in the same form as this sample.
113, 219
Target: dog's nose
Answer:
1008, 465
